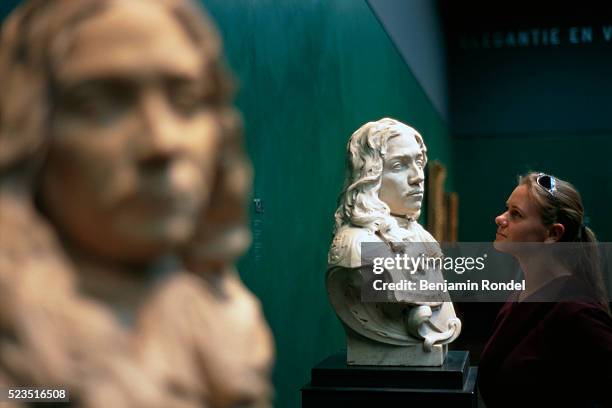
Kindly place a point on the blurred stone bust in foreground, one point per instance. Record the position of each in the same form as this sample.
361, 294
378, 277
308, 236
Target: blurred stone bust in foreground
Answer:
123, 184
378, 212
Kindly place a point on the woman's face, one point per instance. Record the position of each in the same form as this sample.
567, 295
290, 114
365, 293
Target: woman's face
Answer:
521, 222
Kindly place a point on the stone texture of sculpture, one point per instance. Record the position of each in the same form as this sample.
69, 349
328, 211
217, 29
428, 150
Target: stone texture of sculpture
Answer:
123, 184
381, 203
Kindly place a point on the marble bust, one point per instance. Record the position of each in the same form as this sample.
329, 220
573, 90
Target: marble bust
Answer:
380, 203
123, 186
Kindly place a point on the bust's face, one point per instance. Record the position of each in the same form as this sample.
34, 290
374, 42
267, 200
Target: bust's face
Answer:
133, 139
402, 184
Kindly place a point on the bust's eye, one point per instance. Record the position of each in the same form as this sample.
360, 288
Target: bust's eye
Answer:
95, 101
188, 97
420, 161
185, 99
397, 166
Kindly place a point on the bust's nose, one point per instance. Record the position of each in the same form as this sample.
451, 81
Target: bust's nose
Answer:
160, 126
416, 176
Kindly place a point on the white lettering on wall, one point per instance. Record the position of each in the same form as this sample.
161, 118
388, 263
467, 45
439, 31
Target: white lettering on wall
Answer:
537, 37
607, 33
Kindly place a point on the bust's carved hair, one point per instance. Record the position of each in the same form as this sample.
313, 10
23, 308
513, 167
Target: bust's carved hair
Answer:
359, 205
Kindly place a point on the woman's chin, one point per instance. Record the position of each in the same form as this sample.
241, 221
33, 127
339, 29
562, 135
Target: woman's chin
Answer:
500, 245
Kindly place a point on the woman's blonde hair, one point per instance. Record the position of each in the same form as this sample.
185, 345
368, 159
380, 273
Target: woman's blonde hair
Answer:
562, 203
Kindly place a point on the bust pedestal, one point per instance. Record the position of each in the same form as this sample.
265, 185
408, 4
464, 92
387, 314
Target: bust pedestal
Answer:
362, 351
334, 383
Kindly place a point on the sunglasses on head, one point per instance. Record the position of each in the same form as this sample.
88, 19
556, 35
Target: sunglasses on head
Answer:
547, 182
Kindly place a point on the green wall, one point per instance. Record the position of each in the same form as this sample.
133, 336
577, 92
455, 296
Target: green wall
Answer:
487, 168
6, 6
310, 73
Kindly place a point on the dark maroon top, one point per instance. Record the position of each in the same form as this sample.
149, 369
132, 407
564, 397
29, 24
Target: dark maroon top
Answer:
548, 355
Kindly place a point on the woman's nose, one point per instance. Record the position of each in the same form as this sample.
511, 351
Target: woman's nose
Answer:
500, 220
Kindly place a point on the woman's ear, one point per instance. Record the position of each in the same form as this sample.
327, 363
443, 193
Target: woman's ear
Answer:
555, 232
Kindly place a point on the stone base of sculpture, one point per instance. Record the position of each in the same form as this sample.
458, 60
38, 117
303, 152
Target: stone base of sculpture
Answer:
335, 383
363, 351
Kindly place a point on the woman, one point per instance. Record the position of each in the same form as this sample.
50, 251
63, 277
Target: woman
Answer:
552, 343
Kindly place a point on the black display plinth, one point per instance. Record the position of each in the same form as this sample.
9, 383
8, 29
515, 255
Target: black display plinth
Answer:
334, 383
